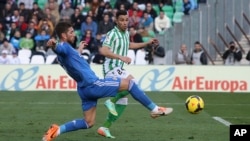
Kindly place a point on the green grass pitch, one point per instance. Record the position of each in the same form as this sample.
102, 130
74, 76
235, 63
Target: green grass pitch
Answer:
25, 116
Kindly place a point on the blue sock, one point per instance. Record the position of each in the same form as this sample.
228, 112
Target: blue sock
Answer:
140, 96
73, 125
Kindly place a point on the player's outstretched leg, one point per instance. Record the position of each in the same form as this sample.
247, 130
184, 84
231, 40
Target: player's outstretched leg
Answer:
56, 130
140, 96
120, 104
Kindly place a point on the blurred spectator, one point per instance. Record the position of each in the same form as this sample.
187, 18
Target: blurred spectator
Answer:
122, 7
67, 12
12, 30
37, 11
187, 6
135, 7
105, 25
50, 16
15, 40
3, 58
24, 12
2, 32
98, 58
150, 10
14, 60
31, 29
7, 47
22, 25
182, 57
162, 23
94, 7
53, 6
41, 41
198, 56
6, 14
91, 14
62, 5
146, 34
15, 16
47, 26
134, 37
77, 19
91, 43
134, 20
27, 42
147, 21
13, 4
89, 24
100, 11
248, 56
233, 55
120, 2
27, 3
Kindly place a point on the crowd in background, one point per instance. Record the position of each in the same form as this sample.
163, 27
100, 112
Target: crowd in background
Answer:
28, 24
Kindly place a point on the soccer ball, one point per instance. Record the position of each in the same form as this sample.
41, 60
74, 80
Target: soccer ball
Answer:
194, 104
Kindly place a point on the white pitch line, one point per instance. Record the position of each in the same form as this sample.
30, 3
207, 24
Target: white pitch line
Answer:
223, 121
132, 103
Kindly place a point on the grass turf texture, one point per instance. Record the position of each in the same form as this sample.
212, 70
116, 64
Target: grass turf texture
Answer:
25, 116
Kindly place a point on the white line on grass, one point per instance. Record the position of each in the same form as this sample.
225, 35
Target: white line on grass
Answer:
223, 121
132, 103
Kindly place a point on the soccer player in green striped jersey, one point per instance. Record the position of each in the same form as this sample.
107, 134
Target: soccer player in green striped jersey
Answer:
115, 48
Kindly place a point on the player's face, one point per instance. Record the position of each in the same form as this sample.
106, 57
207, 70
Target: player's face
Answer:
70, 35
122, 22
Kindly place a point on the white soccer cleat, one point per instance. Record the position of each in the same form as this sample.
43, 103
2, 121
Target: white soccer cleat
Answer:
104, 132
111, 107
162, 111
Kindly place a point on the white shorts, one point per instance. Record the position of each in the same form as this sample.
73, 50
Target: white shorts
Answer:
118, 72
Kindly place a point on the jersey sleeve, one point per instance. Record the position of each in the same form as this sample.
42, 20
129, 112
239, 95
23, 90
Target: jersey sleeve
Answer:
61, 49
108, 41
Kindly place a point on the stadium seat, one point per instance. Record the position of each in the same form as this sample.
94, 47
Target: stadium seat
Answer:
50, 59
37, 59
140, 57
178, 17
179, 6
24, 60
156, 8
24, 53
131, 54
169, 11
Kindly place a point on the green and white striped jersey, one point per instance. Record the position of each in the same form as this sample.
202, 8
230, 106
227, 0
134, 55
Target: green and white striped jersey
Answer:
118, 42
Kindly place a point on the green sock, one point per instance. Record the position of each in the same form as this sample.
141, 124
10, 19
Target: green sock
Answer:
119, 95
119, 108
111, 118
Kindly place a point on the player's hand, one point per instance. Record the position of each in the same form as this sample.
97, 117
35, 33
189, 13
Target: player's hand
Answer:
125, 59
51, 43
82, 44
153, 41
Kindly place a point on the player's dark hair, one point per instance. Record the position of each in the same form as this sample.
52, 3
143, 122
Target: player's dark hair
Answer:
121, 12
61, 27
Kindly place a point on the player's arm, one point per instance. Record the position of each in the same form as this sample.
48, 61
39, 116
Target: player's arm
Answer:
142, 45
105, 51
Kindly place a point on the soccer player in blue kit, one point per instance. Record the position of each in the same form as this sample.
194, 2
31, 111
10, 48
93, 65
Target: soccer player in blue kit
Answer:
89, 87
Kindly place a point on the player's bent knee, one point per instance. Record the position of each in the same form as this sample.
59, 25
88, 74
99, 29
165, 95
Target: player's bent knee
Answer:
124, 84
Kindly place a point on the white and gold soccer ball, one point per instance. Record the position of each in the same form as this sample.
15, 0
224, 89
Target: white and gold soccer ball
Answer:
194, 104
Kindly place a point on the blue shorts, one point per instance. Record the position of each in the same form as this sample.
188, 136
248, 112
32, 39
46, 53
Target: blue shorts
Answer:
107, 87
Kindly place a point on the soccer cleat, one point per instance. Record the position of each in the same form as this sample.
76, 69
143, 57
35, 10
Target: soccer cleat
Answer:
51, 133
103, 131
111, 107
162, 111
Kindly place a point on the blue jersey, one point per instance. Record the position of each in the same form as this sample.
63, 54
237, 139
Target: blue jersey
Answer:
75, 65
